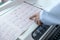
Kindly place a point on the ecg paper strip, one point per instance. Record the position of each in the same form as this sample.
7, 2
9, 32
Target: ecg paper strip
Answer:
16, 21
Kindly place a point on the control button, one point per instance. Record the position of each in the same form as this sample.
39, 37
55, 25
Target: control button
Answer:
40, 28
34, 34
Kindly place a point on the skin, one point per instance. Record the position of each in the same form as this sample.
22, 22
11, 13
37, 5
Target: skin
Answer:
36, 19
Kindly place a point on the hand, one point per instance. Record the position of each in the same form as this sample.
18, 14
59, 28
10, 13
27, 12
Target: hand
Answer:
36, 19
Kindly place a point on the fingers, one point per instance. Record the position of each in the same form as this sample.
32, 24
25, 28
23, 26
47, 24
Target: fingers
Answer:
37, 21
35, 18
